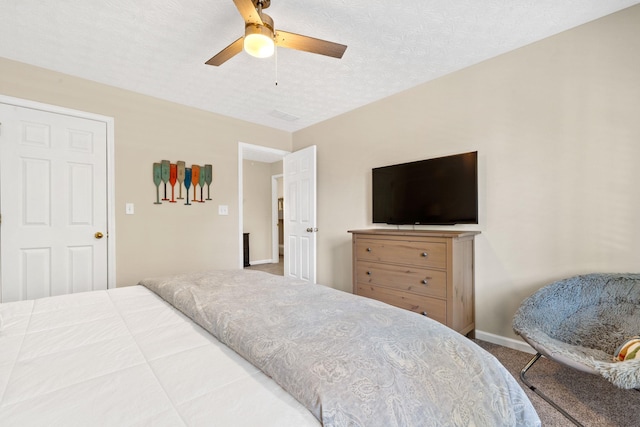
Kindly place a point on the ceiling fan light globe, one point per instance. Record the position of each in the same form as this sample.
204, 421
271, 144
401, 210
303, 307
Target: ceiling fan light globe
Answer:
258, 41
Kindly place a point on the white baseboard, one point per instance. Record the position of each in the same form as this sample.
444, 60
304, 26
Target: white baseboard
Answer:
261, 261
505, 342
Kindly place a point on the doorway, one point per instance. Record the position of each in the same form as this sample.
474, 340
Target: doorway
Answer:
300, 216
259, 170
276, 264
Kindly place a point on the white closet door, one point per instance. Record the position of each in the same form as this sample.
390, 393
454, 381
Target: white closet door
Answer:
53, 201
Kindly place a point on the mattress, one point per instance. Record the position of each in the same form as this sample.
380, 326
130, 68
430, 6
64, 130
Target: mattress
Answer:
124, 357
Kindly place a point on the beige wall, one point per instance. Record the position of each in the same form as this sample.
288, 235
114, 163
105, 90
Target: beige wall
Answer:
557, 130
168, 238
276, 169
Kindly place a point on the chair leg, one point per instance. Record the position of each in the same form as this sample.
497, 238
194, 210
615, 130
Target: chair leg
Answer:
542, 395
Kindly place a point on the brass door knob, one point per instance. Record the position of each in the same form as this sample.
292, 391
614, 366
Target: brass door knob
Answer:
99, 235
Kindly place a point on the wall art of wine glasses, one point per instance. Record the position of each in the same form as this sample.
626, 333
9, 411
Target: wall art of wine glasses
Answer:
165, 172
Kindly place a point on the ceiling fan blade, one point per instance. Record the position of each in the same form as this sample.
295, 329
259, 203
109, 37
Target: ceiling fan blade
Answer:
309, 44
227, 53
248, 11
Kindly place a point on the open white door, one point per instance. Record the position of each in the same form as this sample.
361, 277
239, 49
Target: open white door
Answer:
53, 195
300, 214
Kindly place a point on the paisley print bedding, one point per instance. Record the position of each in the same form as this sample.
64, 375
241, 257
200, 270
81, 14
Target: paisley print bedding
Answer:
350, 360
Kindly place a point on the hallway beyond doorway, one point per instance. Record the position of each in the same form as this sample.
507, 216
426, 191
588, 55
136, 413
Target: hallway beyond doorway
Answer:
273, 268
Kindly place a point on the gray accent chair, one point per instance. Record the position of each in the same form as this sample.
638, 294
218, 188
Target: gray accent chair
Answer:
580, 322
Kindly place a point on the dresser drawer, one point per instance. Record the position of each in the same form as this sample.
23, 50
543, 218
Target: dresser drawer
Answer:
419, 281
419, 254
434, 308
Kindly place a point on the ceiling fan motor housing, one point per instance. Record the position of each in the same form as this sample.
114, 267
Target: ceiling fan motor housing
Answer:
266, 29
254, 37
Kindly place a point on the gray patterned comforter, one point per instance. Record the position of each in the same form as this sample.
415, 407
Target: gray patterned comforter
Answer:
350, 360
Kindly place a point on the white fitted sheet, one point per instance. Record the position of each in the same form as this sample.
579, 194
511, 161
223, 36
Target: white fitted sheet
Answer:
124, 357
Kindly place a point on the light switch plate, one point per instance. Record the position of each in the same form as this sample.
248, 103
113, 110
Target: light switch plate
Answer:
128, 209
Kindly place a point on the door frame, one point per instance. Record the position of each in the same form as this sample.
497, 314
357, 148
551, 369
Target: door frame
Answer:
109, 123
245, 151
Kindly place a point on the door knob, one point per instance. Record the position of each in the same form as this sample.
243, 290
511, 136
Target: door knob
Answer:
99, 235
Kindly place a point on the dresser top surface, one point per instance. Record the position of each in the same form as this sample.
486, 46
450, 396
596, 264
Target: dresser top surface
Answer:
425, 233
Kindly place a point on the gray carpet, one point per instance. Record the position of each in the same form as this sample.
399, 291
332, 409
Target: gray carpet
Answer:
277, 269
590, 399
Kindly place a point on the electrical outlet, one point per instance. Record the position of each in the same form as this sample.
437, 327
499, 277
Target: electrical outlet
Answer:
223, 210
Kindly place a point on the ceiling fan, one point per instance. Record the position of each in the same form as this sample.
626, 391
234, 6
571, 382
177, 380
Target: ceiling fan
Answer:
260, 36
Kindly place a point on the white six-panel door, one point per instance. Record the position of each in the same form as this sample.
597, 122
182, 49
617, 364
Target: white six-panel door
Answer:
53, 201
300, 214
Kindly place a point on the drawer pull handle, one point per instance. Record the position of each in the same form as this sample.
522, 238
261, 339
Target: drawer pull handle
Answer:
368, 249
369, 273
425, 282
424, 254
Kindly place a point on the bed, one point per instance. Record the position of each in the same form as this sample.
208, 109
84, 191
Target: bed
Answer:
235, 348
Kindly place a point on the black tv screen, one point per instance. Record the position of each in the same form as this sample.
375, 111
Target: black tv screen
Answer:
440, 191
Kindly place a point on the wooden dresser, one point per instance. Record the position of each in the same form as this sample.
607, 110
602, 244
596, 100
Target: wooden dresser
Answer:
429, 272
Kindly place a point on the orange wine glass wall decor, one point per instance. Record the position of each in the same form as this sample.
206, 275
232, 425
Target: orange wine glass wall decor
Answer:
195, 179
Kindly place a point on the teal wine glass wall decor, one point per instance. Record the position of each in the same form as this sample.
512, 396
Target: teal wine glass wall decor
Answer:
165, 166
157, 178
208, 178
187, 182
201, 182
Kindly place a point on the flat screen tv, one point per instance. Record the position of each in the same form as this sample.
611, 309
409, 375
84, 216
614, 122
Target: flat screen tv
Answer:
440, 191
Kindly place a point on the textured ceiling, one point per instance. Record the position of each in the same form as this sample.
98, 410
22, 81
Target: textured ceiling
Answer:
159, 47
